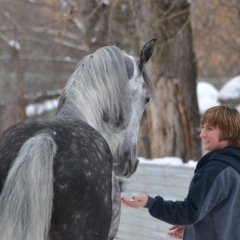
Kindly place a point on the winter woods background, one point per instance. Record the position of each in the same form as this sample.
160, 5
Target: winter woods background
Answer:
41, 42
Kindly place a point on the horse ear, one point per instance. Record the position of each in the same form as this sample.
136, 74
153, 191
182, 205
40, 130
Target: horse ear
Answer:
146, 53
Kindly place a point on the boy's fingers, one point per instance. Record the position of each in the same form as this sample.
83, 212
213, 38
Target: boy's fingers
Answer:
130, 203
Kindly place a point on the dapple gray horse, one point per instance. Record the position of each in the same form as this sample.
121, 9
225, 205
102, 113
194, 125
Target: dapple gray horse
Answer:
58, 174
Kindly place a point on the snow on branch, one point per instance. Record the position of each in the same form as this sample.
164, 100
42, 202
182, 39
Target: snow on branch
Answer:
10, 42
71, 45
79, 25
14, 44
66, 59
54, 32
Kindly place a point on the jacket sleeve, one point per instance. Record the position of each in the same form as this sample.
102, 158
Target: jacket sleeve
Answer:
204, 193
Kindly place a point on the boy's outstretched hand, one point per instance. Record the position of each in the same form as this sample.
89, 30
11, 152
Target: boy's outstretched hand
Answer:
135, 202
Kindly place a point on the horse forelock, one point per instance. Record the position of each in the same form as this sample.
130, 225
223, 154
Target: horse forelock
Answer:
99, 89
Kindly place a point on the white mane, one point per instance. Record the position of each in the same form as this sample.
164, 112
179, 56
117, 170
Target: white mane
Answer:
98, 88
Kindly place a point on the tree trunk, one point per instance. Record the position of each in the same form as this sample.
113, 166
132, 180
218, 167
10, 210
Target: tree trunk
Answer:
19, 85
173, 123
95, 16
15, 111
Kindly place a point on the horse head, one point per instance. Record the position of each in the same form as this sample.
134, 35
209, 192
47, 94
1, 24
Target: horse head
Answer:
109, 90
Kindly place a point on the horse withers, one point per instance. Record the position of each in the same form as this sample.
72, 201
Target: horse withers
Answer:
58, 174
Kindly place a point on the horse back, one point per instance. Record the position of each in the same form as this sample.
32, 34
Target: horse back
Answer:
82, 175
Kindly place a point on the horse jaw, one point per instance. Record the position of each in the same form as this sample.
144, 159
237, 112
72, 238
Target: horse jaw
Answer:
123, 144
123, 147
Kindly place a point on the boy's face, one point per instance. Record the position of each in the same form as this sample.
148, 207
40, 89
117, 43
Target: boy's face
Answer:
210, 138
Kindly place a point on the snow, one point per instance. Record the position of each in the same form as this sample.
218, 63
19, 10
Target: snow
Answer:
14, 44
106, 2
168, 161
231, 89
207, 96
40, 108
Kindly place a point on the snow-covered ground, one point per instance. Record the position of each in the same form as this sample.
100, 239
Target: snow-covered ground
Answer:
168, 161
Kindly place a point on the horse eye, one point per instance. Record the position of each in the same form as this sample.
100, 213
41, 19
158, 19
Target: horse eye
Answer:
147, 99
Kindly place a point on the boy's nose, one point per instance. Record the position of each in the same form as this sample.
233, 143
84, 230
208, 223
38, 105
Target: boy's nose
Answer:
202, 133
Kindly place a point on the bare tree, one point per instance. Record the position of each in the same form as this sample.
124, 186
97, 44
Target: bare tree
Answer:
13, 48
36, 38
173, 126
216, 38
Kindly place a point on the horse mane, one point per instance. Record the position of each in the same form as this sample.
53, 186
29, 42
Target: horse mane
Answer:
98, 88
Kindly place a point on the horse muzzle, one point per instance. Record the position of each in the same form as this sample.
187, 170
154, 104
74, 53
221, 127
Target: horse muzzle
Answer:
126, 169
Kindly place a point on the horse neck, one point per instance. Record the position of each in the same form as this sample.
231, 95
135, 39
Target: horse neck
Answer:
87, 117
75, 112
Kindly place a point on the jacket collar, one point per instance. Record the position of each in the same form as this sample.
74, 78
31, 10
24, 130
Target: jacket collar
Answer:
227, 155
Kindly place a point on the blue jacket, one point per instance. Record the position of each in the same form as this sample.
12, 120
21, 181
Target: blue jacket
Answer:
211, 210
